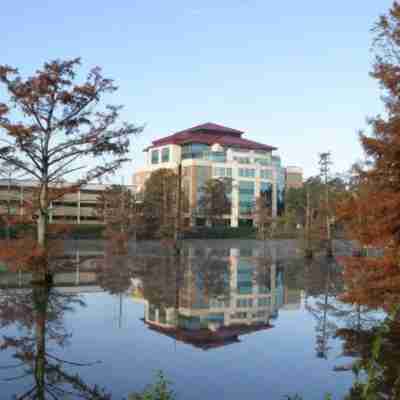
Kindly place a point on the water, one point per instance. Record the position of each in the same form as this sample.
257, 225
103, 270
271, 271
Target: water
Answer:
227, 319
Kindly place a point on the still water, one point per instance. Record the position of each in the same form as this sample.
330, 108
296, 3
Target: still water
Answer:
225, 320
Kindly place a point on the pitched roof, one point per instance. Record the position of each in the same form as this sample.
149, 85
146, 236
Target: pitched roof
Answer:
210, 133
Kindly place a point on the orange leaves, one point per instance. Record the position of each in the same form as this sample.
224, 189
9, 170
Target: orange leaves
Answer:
23, 254
374, 282
372, 211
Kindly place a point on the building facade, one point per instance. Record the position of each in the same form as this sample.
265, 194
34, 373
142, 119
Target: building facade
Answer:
78, 207
213, 151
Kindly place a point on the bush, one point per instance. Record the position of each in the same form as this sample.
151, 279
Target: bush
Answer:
160, 390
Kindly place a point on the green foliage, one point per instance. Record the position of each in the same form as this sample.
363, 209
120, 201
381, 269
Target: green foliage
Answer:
215, 203
18, 230
298, 397
374, 368
160, 202
160, 390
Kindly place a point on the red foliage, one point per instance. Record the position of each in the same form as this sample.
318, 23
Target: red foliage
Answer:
372, 213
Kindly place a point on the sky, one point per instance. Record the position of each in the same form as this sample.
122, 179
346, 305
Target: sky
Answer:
291, 74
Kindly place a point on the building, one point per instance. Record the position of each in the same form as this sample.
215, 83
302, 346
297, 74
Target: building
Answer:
247, 298
78, 207
294, 177
213, 151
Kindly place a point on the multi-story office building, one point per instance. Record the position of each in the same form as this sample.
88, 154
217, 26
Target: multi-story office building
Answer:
213, 151
78, 207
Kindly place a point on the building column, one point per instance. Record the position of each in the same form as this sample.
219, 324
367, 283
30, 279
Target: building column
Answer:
235, 205
257, 194
274, 200
79, 207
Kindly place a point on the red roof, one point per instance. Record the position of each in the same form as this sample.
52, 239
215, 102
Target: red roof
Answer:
210, 133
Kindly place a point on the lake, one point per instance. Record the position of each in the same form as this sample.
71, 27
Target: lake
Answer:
227, 319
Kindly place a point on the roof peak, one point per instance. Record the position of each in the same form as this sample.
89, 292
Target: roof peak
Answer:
210, 133
212, 126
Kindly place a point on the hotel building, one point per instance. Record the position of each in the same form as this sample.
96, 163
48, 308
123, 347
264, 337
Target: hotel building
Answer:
213, 151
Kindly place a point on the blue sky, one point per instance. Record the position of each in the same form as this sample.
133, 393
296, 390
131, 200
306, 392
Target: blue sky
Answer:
292, 74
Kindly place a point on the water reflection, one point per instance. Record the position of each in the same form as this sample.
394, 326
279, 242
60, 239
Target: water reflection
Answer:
36, 314
209, 297
211, 301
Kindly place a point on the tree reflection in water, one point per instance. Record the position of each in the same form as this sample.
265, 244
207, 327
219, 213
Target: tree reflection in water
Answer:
38, 315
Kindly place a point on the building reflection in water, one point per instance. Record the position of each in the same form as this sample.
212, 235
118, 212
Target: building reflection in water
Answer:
210, 299
207, 298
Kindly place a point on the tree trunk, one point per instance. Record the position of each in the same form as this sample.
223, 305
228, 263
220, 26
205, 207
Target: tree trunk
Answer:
42, 220
308, 244
40, 298
329, 250
41, 274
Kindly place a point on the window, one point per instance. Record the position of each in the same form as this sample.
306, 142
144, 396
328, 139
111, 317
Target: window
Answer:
247, 173
194, 150
223, 172
266, 174
155, 156
219, 171
216, 156
240, 315
242, 160
246, 196
264, 301
262, 161
165, 154
261, 314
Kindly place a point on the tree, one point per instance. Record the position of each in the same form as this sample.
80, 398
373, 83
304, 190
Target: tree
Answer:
263, 217
373, 212
325, 162
214, 202
38, 314
54, 128
160, 203
118, 208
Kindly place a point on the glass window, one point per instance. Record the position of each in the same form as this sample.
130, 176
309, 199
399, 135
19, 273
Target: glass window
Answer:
194, 150
216, 156
229, 172
155, 156
246, 196
247, 173
242, 160
264, 301
266, 174
219, 171
262, 161
165, 154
